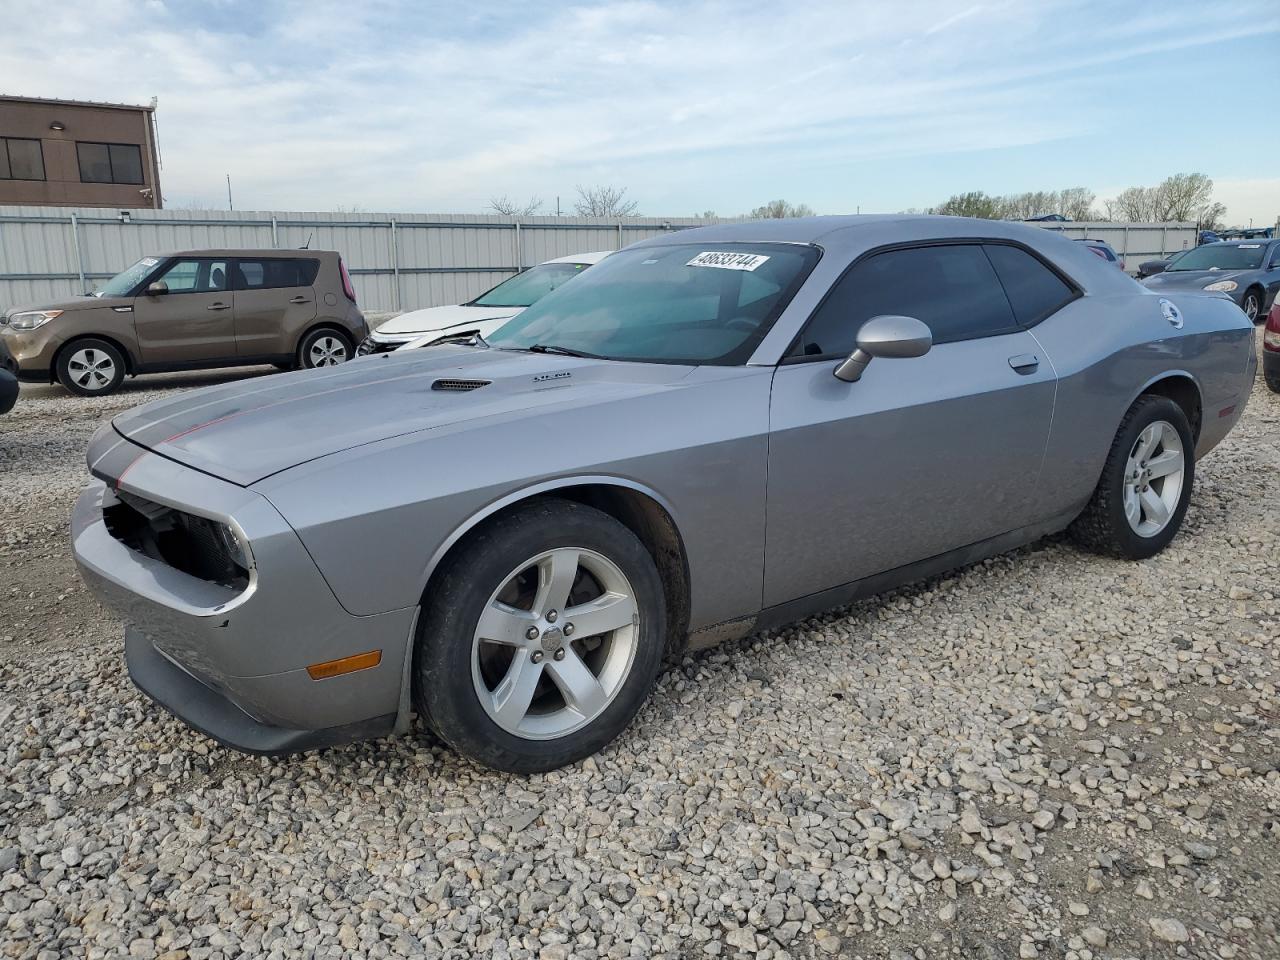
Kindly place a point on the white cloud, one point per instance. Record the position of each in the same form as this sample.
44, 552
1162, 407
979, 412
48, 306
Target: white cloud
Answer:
439, 106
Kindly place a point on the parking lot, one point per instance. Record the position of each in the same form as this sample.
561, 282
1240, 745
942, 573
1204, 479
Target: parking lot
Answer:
1043, 755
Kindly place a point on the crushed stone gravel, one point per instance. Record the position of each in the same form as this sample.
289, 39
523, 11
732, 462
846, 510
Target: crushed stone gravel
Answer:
1046, 754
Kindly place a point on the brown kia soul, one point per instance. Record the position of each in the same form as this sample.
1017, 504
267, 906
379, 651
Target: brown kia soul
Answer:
193, 310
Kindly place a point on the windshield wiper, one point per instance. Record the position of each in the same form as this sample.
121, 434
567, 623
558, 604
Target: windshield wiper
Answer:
564, 351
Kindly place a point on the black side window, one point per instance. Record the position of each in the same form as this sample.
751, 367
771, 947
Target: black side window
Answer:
109, 162
952, 288
1034, 290
271, 274
21, 159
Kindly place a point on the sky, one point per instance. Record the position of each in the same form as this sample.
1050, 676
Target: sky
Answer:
691, 105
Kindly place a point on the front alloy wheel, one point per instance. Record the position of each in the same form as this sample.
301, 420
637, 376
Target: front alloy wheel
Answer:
1251, 306
555, 643
541, 637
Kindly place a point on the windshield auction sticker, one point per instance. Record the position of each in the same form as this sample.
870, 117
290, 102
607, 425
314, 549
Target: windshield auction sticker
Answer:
727, 261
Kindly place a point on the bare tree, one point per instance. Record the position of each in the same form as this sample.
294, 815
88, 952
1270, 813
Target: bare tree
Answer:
1212, 216
706, 215
975, 203
604, 201
1076, 203
1182, 195
514, 208
780, 209
1134, 204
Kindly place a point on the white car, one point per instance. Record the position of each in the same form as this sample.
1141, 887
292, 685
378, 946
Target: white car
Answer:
482, 315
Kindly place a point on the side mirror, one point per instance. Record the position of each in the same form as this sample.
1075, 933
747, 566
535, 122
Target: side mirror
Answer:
157, 288
885, 336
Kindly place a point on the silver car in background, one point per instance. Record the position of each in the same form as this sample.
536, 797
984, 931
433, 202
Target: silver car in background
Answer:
708, 434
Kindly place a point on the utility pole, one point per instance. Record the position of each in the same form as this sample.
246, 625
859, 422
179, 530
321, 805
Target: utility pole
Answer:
230, 205
557, 206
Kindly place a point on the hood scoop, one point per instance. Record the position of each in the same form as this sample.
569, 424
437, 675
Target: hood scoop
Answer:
459, 386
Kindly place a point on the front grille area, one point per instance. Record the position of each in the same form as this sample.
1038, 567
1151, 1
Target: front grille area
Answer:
459, 386
197, 546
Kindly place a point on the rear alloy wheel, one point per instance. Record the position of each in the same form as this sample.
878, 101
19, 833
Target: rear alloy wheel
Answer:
542, 639
324, 348
90, 368
1252, 305
1141, 498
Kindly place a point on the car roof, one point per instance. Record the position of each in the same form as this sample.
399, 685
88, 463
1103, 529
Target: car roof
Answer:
250, 252
581, 257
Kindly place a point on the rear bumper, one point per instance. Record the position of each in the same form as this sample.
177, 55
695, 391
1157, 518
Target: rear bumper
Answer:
233, 664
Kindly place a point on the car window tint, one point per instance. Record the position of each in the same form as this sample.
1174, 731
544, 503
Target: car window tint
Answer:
271, 274
1034, 290
196, 276
953, 289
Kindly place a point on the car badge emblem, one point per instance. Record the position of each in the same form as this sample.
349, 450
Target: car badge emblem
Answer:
1171, 313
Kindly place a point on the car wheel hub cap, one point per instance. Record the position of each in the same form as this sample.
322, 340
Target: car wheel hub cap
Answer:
328, 352
555, 643
1154, 475
91, 369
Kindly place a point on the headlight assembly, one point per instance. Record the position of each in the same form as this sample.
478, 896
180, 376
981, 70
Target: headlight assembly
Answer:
1222, 286
30, 319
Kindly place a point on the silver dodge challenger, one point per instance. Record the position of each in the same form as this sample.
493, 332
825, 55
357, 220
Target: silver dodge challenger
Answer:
710, 433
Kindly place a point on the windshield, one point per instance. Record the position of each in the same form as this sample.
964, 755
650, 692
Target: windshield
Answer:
529, 287
688, 303
123, 283
1220, 256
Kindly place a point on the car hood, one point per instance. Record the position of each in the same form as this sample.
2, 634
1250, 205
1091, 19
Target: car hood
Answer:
72, 303
440, 318
247, 431
1192, 279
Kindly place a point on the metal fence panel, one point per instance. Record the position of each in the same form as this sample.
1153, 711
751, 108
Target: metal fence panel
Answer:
397, 261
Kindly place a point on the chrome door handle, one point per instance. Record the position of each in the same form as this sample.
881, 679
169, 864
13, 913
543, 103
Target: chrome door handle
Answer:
299, 300
1025, 363
218, 306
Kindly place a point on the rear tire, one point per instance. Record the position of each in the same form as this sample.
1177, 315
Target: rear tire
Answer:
325, 347
90, 367
504, 583
1136, 510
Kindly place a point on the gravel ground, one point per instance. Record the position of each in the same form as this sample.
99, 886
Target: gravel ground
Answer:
1043, 755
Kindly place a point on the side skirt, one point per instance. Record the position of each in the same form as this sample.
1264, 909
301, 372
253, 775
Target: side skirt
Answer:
802, 607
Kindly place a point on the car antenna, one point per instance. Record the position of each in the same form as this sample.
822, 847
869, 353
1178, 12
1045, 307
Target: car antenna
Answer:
307, 245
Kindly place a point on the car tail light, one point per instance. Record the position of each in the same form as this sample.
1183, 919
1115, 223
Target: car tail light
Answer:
1271, 335
349, 290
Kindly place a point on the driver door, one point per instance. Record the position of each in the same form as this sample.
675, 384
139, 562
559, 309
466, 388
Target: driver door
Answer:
920, 456
193, 322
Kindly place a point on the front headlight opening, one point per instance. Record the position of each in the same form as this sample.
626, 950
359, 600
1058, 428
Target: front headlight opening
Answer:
197, 546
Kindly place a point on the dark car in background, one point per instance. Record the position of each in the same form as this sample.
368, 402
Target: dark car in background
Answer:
189, 311
1149, 268
1103, 250
1271, 349
1248, 271
8, 380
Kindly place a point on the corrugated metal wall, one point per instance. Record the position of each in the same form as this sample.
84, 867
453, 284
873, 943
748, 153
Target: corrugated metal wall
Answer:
397, 261
1134, 242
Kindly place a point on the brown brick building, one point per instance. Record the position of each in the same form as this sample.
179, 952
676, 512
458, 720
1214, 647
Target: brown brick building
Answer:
69, 153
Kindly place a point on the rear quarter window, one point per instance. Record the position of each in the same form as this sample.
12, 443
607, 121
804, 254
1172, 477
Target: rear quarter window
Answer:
1034, 290
269, 273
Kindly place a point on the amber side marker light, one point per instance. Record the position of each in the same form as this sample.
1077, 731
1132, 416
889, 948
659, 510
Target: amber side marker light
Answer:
336, 668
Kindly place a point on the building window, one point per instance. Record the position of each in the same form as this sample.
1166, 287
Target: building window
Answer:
110, 162
21, 159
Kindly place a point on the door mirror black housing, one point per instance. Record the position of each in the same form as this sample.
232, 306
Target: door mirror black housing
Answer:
885, 336
157, 288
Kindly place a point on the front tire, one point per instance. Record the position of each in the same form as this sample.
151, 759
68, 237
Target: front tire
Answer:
542, 638
1141, 498
90, 367
1252, 304
325, 347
